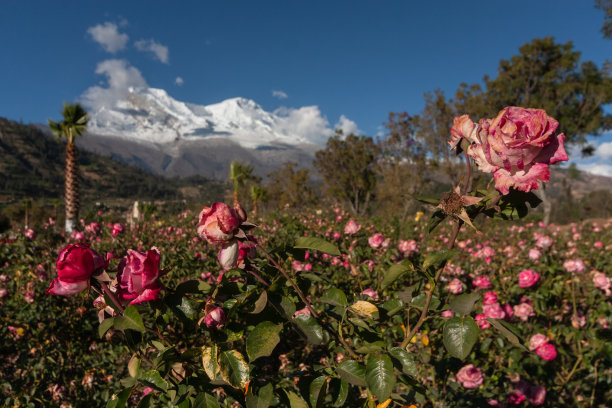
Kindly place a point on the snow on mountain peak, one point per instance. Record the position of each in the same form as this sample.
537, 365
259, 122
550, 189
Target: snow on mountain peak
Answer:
151, 115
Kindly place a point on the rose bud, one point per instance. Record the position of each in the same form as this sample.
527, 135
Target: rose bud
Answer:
228, 255
75, 265
218, 223
215, 317
138, 276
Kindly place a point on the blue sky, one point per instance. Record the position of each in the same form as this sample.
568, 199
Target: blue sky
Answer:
355, 59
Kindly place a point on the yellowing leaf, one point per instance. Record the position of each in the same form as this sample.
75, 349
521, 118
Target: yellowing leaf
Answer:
364, 309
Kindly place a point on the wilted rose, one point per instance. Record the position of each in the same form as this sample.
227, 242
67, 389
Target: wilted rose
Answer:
219, 222
75, 265
470, 376
517, 146
138, 276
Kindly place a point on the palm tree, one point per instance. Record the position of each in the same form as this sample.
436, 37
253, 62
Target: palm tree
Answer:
258, 194
239, 175
73, 125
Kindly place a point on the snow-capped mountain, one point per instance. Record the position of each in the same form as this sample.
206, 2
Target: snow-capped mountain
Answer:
151, 115
152, 130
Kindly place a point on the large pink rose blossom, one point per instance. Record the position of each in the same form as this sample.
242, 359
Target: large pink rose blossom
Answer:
455, 286
547, 351
528, 278
219, 222
470, 376
76, 263
517, 146
494, 311
138, 276
351, 227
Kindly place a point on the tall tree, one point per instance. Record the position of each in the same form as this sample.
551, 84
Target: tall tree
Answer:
606, 6
73, 125
347, 168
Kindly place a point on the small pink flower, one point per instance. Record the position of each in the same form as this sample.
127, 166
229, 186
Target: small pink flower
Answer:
376, 240
547, 351
470, 376
29, 234
516, 398
455, 286
116, 229
371, 293
447, 314
602, 282
534, 254
482, 281
481, 321
493, 311
304, 311
523, 311
528, 278
536, 395
490, 298
574, 265
536, 341
351, 227
544, 242
406, 247
598, 245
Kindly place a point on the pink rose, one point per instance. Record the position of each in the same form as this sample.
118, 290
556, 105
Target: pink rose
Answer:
75, 265
481, 321
351, 227
376, 240
29, 234
574, 265
455, 286
77, 236
371, 293
544, 242
494, 311
490, 298
469, 376
116, 229
406, 247
447, 314
547, 351
517, 147
482, 281
215, 317
219, 222
536, 395
601, 281
246, 250
528, 278
536, 341
523, 311
462, 128
534, 254
138, 276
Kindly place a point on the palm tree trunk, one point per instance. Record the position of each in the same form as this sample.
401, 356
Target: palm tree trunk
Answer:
72, 188
255, 208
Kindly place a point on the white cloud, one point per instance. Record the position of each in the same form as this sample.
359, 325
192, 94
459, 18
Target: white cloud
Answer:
109, 37
279, 94
599, 162
120, 76
604, 150
308, 123
159, 51
347, 126
596, 168
179, 81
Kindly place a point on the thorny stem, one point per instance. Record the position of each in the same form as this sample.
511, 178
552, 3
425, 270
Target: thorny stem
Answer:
306, 302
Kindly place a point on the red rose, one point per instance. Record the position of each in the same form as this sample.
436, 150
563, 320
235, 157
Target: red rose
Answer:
138, 274
219, 222
75, 265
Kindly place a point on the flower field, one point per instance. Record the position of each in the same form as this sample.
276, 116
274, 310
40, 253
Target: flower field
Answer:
539, 295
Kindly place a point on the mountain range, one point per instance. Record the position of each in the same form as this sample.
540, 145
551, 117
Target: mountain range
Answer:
154, 131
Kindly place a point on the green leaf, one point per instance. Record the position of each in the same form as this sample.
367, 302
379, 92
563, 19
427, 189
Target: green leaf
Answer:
234, 369
463, 304
436, 218
145, 401
105, 325
428, 200
334, 296
153, 379
310, 327
134, 366
353, 372
460, 335
262, 340
182, 306
260, 303
210, 361
318, 391
379, 376
295, 401
262, 399
130, 320
317, 244
508, 331
119, 400
204, 400
419, 301
192, 286
438, 259
408, 366
339, 390
393, 306
395, 272
283, 305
